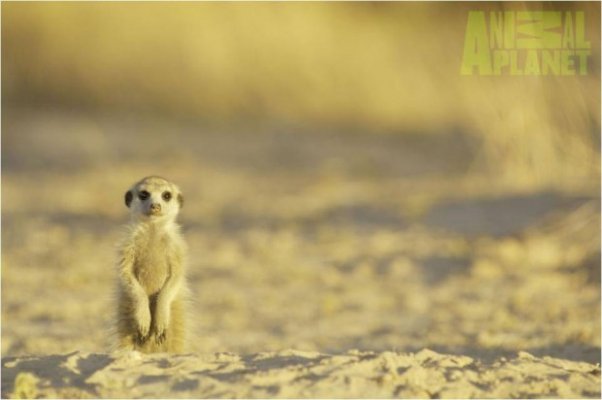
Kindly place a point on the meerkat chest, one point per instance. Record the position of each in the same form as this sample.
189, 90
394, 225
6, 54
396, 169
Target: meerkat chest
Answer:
152, 262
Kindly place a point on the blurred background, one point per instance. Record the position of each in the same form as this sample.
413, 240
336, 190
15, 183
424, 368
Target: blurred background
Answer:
345, 186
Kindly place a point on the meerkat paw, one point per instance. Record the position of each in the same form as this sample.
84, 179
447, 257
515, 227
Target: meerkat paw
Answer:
143, 319
161, 323
160, 337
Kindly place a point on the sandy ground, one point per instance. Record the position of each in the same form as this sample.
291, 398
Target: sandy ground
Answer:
323, 264
293, 374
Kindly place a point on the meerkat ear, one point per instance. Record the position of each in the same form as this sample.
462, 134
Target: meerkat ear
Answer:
180, 200
128, 198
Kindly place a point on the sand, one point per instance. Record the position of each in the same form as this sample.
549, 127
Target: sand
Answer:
293, 374
322, 264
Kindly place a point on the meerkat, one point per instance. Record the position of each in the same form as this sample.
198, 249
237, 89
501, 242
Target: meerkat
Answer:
151, 291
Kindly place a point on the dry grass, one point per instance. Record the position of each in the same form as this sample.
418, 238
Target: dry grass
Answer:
370, 67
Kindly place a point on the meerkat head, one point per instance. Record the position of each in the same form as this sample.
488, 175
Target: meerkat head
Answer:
154, 198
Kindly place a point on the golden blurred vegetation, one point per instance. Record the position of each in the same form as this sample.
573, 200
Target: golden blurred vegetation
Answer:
370, 67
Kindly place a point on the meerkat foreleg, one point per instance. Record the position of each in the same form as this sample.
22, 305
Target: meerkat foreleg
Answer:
142, 313
165, 298
137, 295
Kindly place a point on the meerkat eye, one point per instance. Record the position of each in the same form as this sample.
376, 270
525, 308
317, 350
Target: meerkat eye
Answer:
166, 196
143, 195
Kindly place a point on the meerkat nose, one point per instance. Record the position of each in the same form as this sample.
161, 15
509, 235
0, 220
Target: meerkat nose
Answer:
155, 207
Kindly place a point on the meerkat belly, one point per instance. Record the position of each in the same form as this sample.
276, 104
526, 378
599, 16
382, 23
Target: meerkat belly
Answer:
152, 268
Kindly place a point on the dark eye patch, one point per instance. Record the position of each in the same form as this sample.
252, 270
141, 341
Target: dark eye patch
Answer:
143, 195
166, 196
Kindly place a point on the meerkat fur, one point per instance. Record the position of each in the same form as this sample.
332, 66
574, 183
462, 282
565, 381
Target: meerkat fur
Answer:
152, 291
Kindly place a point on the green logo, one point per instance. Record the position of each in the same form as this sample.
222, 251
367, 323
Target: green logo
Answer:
525, 43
